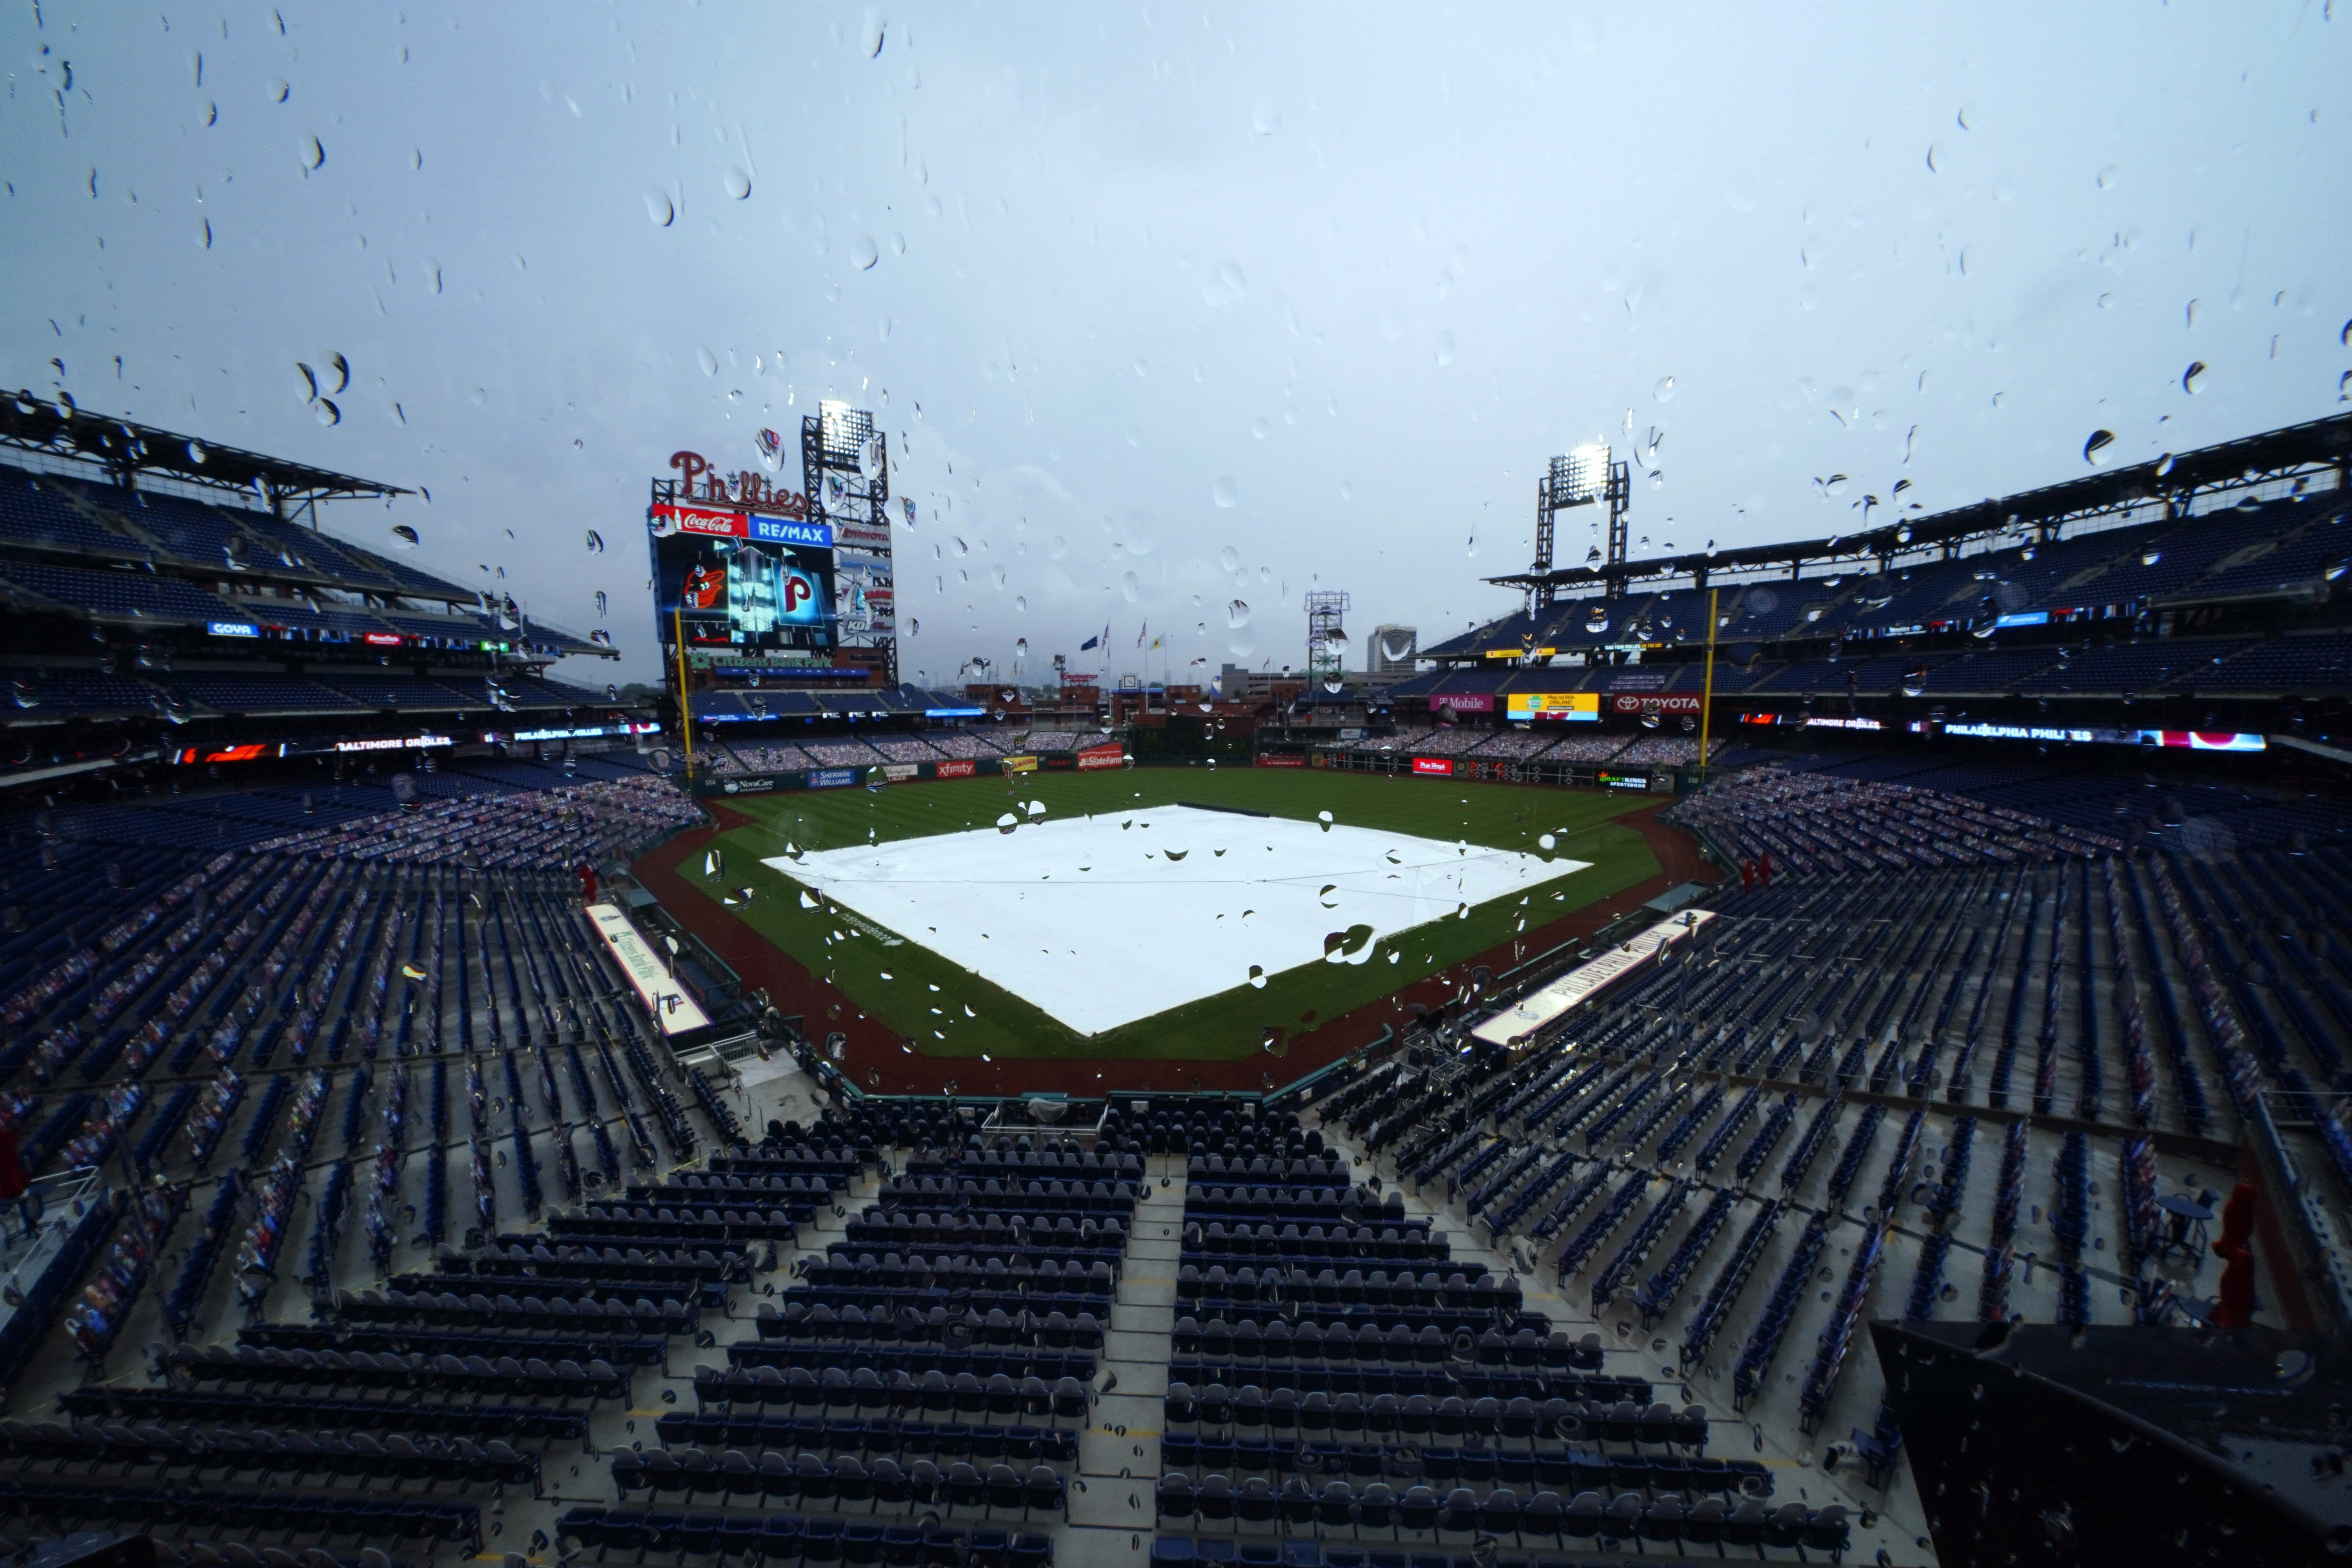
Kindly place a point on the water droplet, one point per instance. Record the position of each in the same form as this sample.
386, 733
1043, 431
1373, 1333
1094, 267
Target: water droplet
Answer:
1915, 681
1142, 366
864, 253
342, 369
314, 152
1260, 428
659, 208
595, 543
738, 184
327, 412
600, 602
1131, 587
708, 360
1230, 559
2099, 442
1224, 492
1058, 548
872, 32
1230, 275
1266, 119
1664, 389
2189, 377
2111, 176
1445, 348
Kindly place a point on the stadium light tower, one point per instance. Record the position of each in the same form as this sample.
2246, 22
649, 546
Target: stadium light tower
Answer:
846, 469
1327, 637
1585, 476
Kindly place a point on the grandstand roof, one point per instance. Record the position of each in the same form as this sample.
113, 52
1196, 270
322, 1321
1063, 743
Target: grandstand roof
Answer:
2273, 454
31, 424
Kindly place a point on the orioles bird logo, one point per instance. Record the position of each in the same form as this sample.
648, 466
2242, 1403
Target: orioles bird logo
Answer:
705, 587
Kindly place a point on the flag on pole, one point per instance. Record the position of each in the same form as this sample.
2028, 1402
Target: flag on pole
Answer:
1090, 642
1140, 632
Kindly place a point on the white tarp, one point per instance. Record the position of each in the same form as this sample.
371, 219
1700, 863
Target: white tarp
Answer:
662, 994
1100, 920
1586, 981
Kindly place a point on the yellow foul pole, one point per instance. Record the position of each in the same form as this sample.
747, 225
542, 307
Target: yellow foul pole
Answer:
685, 711
1707, 703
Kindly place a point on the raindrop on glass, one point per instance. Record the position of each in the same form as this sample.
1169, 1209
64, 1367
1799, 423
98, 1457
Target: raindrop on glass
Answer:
659, 208
403, 536
1224, 492
2191, 376
1664, 389
738, 184
864, 253
2099, 442
595, 543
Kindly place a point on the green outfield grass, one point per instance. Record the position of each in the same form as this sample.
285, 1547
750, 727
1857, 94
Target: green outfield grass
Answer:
916, 993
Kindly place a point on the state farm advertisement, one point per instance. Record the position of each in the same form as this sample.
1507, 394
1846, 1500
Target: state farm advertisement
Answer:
1110, 756
1653, 702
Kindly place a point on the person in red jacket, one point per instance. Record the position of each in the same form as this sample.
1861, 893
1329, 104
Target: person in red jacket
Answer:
587, 883
2234, 1309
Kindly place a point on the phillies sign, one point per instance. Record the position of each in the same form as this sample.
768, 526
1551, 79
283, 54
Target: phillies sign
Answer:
1439, 765
700, 479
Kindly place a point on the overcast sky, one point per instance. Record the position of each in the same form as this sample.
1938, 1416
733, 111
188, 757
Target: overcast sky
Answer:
1134, 286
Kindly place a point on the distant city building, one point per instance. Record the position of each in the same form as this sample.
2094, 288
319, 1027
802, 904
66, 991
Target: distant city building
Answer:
1389, 648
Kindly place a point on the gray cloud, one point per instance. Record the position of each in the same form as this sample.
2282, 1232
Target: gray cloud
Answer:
1356, 270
